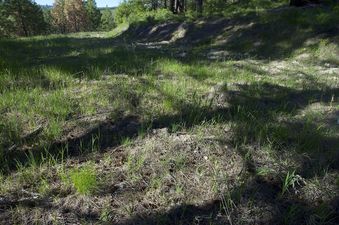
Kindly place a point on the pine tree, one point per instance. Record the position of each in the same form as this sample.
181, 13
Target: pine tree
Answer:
59, 16
107, 20
5, 28
94, 14
26, 17
69, 16
76, 15
49, 20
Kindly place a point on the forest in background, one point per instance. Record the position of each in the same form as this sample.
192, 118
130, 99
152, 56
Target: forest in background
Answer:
26, 18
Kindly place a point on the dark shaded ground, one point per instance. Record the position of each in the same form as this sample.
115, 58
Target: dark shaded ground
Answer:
269, 36
274, 210
264, 194
251, 108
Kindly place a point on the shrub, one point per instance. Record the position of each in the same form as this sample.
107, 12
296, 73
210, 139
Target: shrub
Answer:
134, 11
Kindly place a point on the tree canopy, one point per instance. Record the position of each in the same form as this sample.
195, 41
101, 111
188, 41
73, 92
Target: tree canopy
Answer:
21, 17
26, 18
94, 14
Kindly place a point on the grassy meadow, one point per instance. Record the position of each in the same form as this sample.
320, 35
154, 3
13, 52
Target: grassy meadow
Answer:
217, 121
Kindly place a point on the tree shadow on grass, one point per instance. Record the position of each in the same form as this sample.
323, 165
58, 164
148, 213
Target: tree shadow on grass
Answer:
78, 57
270, 35
260, 121
256, 202
255, 111
272, 99
260, 201
277, 35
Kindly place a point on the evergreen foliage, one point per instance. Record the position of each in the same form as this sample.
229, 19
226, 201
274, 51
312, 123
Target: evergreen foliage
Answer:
21, 17
94, 14
107, 20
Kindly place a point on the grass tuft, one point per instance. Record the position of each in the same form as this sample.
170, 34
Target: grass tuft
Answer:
84, 180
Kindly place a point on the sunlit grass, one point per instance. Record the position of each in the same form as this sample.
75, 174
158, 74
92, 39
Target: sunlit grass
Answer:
177, 125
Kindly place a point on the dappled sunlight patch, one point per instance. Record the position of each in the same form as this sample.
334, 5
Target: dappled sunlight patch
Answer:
328, 52
47, 79
57, 78
323, 115
192, 174
180, 33
229, 122
320, 189
38, 110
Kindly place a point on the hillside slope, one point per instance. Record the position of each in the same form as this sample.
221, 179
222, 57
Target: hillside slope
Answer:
218, 121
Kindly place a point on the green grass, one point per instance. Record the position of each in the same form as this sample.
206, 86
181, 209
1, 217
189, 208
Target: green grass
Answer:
97, 124
84, 180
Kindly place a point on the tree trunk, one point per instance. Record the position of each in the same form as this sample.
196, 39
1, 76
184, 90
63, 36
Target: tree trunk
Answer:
24, 26
199, 6
154, 4
22, 21
177, 6
172, 6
